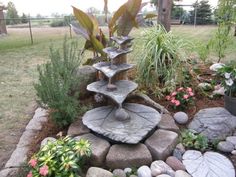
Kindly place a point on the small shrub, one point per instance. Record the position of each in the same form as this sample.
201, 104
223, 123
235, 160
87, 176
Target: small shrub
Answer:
162, 59
57, 23
56, 83
192, 140
181, 98
62, 158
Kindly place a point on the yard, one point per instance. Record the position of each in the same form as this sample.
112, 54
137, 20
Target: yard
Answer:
18, 72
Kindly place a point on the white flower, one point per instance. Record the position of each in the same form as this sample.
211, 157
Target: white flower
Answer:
227, 75
229, 82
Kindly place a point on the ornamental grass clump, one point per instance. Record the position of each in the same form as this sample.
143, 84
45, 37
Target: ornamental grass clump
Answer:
181, 98
62, 158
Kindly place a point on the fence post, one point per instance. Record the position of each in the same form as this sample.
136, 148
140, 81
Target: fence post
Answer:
31, 35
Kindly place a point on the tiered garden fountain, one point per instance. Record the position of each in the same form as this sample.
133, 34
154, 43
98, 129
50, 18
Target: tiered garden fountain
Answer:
121, 122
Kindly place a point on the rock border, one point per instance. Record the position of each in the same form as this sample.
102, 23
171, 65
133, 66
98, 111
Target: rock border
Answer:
19, 155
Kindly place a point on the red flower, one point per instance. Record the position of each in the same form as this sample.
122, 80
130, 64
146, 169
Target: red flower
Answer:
185, 97
43, 170
173, 101
189, 89
174, 94
168, 98
180, 89
177, 102
30, 174
191, 94
33, 162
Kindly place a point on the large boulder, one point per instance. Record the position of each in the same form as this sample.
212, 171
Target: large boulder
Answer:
87, 75
99, 148
215, 123
124, 155
161, 144
98, 172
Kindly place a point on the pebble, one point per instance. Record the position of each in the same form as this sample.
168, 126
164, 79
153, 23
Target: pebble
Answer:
45, 141
225, 146
119, 173
144, 171
178, 154
216, 66
163, 175
175, 163
231, 139
181, 117
133, 176
159, 167
181, 173
233, 152
180, 147
205, 86
127, 170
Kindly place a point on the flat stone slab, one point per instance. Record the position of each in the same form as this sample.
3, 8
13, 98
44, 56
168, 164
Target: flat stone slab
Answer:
122, 39
209, 164
121, 156
142, 120
161, 144
168, 123
215, 123
114, 52
99, 148
111, 70
77, 128
124, 88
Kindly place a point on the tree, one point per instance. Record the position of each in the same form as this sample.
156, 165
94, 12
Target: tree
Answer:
93, 11
204, 13
177, 12
24, 18
12, 14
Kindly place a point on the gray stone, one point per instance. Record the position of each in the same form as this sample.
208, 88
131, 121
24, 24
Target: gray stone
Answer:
77, 128
46, 140
98, 172
163, 175
167, 123
99, 149
216, 66
181, 173
109, 71
225, 146
127, 170
178, 154
40, 113
26, 138
133, 176
209, 164
233, 152
175, 163
124, 87
142, 120
119, 173
86, 74
160, 167
220, 91
231, 139
18, 157
215, 123
180, 147
205, 86
144, 171
123, 155
181, 117
9, 172
161, 144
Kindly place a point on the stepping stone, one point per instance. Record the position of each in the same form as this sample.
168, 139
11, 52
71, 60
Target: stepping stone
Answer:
123, 155
167, 123
159, 167
77, 128
161, 144
99, 148
208, 164
215, 123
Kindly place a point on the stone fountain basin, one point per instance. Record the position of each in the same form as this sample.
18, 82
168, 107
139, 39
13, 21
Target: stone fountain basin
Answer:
142, 120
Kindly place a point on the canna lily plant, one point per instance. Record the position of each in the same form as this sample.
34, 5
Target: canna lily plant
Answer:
122, 22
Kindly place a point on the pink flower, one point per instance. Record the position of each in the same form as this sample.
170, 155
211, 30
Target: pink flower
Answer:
173, 101
168, 98
177, 102
185, 97
180, 89
43, 170
191, 94
30, 174
174, 93
33, 162
189, 89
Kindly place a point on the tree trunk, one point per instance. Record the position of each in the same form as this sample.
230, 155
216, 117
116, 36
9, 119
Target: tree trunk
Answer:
3, 29
235, 31
164, 13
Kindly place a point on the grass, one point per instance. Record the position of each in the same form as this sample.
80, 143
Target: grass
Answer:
18, 63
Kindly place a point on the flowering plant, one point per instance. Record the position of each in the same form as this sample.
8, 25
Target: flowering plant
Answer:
228, 72
180, 98
61, 158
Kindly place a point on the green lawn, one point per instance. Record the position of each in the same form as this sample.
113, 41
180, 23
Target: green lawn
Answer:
19, 60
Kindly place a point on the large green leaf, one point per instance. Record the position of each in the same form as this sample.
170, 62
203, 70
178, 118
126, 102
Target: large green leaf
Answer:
84, 20
97, 44
133, 7
117, 15
150, 15
95, 25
